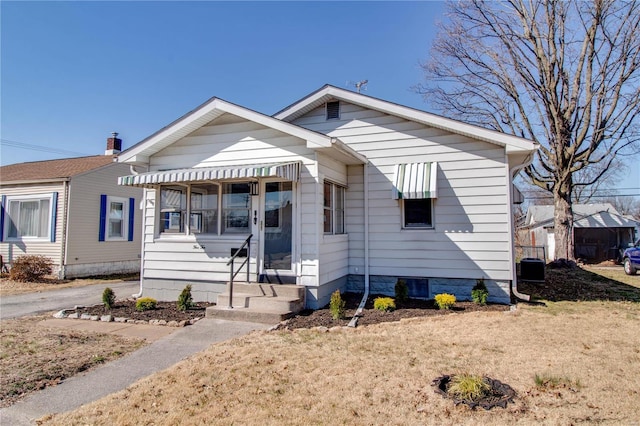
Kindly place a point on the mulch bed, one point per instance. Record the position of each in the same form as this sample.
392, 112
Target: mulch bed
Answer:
308, 318
167, 311
411, 309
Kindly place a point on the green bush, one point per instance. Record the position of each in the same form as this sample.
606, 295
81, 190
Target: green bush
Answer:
402, 291
479, 292
386, 304
185, 300
30, 268
468, 387
146, 304
445, 301
108, 298
337, 305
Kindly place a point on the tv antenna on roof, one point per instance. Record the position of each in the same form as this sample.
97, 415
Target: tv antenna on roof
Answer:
360, 85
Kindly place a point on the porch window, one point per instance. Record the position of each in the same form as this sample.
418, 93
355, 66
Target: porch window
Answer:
204, 209
333, 208
173, 209
236, 206
30, 217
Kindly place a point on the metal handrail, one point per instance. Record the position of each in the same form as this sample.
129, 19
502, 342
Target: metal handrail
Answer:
232, 275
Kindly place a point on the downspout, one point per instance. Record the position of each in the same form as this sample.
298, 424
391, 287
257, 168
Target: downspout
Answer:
142, 205
354, 320
63, 254
514, 276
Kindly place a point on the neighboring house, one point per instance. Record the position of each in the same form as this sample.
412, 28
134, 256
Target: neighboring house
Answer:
339, 189
74, 212
599, 231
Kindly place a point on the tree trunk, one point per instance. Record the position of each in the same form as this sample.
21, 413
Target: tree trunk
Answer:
563, 226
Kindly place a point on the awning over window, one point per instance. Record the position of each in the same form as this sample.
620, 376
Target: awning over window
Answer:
415, 180
289, 171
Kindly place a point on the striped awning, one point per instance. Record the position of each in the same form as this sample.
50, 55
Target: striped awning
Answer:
288, 171
415, 180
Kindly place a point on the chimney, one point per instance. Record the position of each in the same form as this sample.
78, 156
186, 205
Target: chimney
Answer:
114, 145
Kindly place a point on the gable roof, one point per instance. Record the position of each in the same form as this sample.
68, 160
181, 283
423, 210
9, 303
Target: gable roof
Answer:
52, 170
326, 93
600, 215
214, 108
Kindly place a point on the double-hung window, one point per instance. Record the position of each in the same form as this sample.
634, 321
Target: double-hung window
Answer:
333, 208
116, 224
116, 218
30, 217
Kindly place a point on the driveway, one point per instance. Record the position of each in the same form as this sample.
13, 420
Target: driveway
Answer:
55, 300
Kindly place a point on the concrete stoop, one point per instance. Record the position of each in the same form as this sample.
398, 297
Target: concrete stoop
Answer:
257, 302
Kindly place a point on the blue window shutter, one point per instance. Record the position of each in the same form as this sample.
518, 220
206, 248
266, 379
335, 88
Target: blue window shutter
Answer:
103, 217
4, 203
54, 216
132, 205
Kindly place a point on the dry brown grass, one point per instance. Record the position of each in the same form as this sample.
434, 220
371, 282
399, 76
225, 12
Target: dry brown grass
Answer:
381, 374
9, 287
33, 356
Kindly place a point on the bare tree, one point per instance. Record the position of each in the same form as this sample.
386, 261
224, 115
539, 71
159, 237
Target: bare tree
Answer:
563, 73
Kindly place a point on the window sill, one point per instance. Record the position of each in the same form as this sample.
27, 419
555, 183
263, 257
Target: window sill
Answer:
27, 240
200, 237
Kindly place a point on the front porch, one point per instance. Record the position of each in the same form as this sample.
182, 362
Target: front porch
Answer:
259, 302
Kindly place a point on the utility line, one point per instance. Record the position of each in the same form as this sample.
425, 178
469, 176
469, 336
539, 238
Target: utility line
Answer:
32, 147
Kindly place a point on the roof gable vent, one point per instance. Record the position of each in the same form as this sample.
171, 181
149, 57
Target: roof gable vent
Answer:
333, 110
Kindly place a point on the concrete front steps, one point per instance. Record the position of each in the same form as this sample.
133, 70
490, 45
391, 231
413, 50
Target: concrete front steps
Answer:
258, 302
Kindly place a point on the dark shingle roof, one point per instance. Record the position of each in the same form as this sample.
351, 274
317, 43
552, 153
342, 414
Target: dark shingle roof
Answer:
52, 169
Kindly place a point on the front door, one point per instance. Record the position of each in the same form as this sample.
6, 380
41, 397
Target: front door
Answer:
276, 232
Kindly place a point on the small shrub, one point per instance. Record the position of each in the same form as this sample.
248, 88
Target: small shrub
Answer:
337, 305
468, 387
547, 382
146, 304
479, 292
30, 268
108, 298
386, 304
402, 291
185, 300
445, 301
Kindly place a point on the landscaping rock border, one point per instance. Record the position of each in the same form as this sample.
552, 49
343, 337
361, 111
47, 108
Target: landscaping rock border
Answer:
110, 318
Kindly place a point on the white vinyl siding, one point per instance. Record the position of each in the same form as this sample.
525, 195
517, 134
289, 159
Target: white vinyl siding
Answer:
471, 233
231, 141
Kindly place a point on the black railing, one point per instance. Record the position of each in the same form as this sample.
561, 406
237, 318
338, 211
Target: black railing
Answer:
232, 274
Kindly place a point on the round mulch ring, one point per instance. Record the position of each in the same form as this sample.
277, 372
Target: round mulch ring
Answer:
499, 395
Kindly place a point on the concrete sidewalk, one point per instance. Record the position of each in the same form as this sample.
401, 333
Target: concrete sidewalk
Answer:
163, 352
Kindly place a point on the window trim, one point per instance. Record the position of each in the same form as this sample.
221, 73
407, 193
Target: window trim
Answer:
332, 208
51, 217
416, 228
124, 219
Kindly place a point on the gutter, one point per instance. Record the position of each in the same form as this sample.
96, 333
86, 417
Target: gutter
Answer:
514, 276
354, 320
142, 205
65, 228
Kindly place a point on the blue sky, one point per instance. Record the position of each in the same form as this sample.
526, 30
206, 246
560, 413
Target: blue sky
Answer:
73, 72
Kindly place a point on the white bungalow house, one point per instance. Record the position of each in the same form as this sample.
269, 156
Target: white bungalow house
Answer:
338, 190
73, 211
